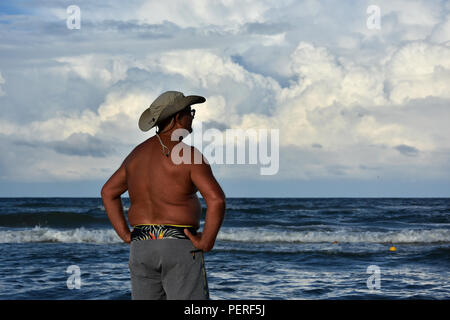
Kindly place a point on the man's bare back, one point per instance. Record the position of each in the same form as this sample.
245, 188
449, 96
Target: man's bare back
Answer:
160, 191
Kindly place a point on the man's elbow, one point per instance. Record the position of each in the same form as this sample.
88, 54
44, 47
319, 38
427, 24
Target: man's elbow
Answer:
218, 201
105, 193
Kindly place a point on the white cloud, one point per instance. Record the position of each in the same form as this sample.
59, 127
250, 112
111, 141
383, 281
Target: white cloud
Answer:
419, 70
324, 79
404, 20
419, 12
243, 91
99, 68
214, 109
343, 107
441, 32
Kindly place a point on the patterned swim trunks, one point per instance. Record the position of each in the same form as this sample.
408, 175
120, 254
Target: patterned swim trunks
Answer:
160, 231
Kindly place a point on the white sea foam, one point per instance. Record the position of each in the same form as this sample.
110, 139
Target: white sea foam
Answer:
342, 236
78, 235
102, 236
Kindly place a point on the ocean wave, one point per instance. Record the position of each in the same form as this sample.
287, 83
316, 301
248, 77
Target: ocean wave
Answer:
248, 235
78, 235
341, 236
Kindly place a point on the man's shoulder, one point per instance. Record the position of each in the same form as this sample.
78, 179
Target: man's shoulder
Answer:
136, 151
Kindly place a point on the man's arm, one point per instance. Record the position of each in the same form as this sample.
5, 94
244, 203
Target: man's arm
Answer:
203, 179
111, 192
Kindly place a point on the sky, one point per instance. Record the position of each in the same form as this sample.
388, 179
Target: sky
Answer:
358, 91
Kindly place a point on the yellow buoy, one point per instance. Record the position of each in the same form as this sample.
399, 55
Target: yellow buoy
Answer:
335, 242
392, 248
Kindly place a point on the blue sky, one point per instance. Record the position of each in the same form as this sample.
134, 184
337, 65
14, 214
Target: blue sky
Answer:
361, 111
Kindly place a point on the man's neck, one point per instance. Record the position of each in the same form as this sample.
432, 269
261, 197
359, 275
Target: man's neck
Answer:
166, 136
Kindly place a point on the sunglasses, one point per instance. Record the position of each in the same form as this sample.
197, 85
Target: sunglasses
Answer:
191, 111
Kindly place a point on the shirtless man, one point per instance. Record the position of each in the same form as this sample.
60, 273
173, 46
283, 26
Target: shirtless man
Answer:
166, 251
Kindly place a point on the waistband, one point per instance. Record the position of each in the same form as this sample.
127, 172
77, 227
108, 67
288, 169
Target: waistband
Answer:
160, 231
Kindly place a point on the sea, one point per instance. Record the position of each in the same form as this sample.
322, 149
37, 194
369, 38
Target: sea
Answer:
267, 249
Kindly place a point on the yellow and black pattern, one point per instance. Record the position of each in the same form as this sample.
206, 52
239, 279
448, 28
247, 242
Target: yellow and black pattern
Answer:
159, 231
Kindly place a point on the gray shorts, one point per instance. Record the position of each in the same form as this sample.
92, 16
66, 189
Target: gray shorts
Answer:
169, 269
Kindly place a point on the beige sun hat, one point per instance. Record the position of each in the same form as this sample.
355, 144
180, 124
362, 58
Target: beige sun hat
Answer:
167, 104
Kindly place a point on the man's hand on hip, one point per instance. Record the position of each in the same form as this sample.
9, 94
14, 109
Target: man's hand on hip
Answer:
198, 241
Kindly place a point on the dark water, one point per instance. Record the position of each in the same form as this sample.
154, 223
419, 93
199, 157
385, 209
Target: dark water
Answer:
267, 249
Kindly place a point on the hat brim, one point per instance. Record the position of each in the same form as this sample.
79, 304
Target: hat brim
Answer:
194, 100
145, 123
147, 120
